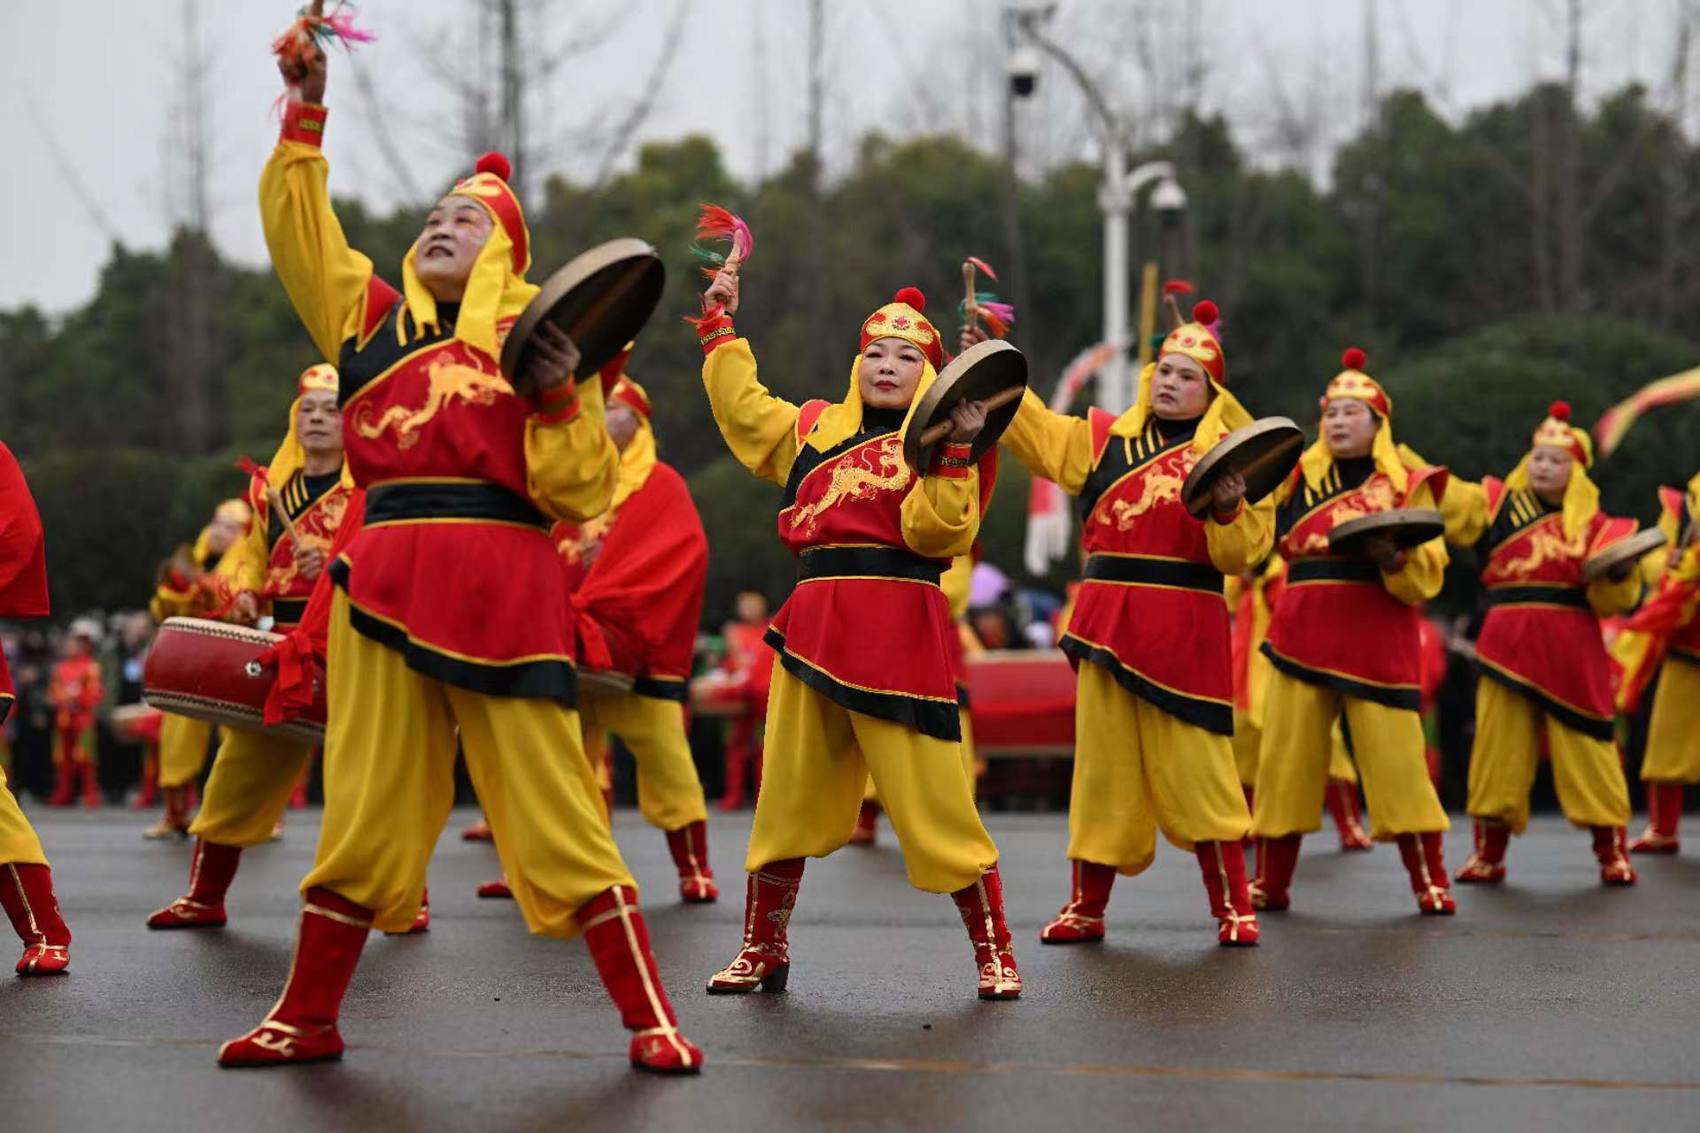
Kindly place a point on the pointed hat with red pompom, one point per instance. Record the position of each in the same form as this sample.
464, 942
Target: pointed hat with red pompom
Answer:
1557, 431
1351, 382
1195, 339
489, 186
904, 318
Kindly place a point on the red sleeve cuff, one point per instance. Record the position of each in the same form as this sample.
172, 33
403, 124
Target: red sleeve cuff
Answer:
304, 122
714, 333
558, 404
1239, 506
952, 461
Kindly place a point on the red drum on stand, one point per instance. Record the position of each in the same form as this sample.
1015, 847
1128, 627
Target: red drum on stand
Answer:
211, 671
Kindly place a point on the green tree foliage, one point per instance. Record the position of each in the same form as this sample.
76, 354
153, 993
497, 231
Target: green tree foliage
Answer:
1441, 248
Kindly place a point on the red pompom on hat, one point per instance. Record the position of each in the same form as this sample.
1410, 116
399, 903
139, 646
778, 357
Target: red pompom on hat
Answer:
904, 318
1559, 411
1352, 383
911, 296
1557, 432
1353, 358
489, 186
495, 163
1205, 313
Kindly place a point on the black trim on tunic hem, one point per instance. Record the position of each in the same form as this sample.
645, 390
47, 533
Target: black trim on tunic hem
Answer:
1209, 715
936, 718
658, 689
1594, 726
1399, 696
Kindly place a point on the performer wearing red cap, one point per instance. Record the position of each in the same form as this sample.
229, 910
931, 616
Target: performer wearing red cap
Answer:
1664, 638
863, 684
254, 773
26, 881
1153, 720
1543, 662
425, 637
1344, 642
75, 690
636, 575
198, 583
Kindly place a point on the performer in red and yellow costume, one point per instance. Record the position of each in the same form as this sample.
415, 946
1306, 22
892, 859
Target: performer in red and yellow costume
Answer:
748, 658
1149, 635
636, 575
255, 773
863, 685
1664, 636
1545, 673
75, 690
448, 614
198, 585
26, 880
1344, 642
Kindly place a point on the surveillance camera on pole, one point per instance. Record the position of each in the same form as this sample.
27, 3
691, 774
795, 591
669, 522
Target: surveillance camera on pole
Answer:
1023, 70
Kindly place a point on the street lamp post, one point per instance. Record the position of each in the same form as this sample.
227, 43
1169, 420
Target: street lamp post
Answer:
1115, 196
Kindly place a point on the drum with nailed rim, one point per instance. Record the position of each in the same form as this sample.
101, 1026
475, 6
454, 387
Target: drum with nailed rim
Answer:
211, 671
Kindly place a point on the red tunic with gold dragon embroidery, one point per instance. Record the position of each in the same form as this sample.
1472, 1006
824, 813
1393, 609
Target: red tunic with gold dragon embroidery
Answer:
1336, 622
1540, 636
317, 506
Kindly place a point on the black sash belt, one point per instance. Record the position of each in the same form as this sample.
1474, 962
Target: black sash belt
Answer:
1542, 595
1154, 572
388, 502
288, 611
1333, 570
867, 562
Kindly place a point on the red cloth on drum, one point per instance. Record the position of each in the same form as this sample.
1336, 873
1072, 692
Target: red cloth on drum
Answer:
301, 653
645, 583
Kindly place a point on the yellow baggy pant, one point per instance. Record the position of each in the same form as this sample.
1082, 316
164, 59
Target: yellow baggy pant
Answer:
669, 792
1586, 772
389, 785
18, 841
183, 744
1673, 733
252, 778
871, 793
1137, 770
820, 755
1248, 737
1293, 763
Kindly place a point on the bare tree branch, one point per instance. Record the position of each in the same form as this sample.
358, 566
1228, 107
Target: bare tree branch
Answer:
628, 126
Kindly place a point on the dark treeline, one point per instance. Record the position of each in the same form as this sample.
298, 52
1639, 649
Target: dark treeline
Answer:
1528, 253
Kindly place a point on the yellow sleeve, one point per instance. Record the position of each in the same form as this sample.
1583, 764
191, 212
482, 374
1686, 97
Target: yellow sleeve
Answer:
941, 515
1425, 565
1049, 444
571, 464
243, 567
760, 429
957, 584
1609, 598
1243, 541
168, 602
325, 278
1465, 509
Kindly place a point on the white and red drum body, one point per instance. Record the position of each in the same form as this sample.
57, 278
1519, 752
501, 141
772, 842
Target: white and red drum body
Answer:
211, 671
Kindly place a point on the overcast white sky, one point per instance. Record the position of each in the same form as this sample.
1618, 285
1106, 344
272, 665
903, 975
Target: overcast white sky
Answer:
94, 82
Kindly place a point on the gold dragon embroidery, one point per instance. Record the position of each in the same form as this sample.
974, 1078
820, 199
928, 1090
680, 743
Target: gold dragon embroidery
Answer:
446, 380
1546, 544
314, 524
1161, 484
1377, 495
852, 480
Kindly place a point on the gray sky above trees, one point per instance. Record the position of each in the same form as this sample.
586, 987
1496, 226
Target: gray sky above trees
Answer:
96, 132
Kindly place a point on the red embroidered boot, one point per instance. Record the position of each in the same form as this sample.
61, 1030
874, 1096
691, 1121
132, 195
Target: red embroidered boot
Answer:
147, 796
764, 961
689, 847
1486, 866
496, 890
1426, 866
64, 781
1664, 812
1082, 919
1342, 800
1611, 848
174, 823
421, 919
619, 944
211, 871
302, 1026
1277, 861
981, 906
478, 832
867, 830
1223, 867
26, 893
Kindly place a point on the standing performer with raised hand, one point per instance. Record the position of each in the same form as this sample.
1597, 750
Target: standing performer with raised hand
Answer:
1149, 633
196, 583
638, 571
448, 611
863, 683
1344, 641
254, 773
26, 881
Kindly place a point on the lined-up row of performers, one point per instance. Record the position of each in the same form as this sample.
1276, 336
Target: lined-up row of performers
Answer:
438, 614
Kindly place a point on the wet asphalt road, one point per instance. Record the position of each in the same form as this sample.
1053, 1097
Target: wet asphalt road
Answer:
1548, 1004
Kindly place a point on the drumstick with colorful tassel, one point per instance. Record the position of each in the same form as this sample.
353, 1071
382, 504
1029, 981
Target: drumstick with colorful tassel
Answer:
272, 497
716, 223
984, 306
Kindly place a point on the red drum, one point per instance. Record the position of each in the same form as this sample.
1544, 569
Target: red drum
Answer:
211, 671
623, 648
